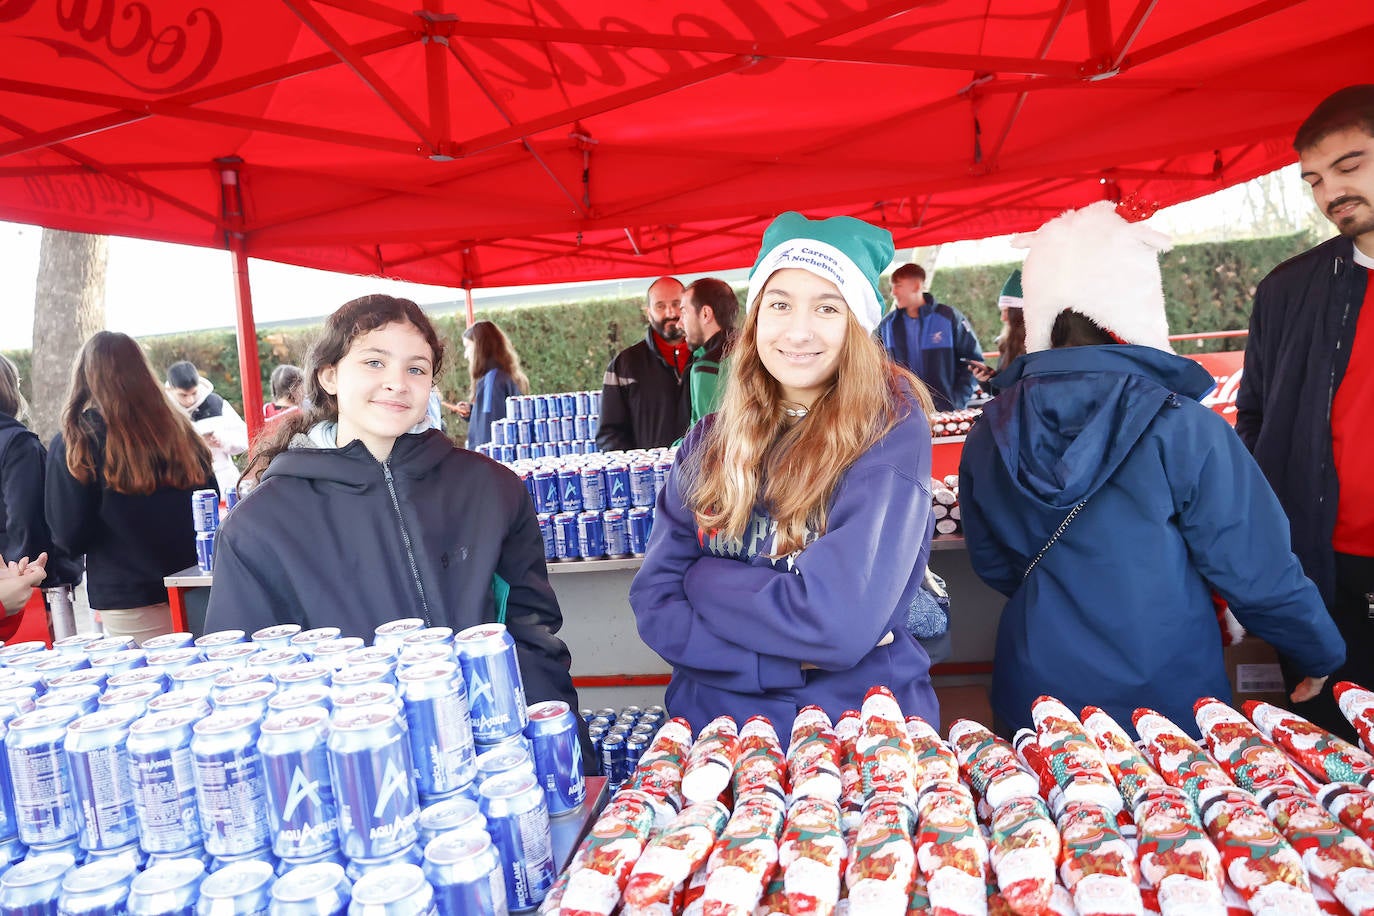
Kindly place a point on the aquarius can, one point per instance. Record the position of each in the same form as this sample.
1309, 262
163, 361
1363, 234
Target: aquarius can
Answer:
44, 801
465, 872
565, 536
231, 788
246, 698
567, 429
76, 643
361, 676
591, 535
392, 633
99, 761
518, 823
198, 678
436, 709
593, 488
617, 532
34, 885
81, 678
557, 753
447, 815
167, 889
541, 430
181, 699
618, 494
99, 888
393, 890
496, 693
570, 489
641, 523
205, 510
166, 641
614, 762
318, 889
642, 491
239, 677
301, 812
275, 660
373, 694
500, 760
425, 655
381, 655
59, 663
162, 778
547, 536
311, 674
430, 636
370, 767
275, 637
332, 652
205, 551
546, 491
220, 638
300, 697
139, 677
238, 889
236, 656
307, 638
85, 698
119, 662
170, 661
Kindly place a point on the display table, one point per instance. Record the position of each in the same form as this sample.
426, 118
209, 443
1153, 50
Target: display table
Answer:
568, 829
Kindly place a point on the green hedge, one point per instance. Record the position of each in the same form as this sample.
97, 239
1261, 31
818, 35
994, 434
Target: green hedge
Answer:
1207, 287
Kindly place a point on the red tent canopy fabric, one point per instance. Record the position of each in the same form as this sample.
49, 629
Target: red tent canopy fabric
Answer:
506, 142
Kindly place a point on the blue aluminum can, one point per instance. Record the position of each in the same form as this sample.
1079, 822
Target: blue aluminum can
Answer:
579, 428
465, 872
618, 494
546, 534
99, 762
391, 634
371, 769
496, 693
12, 651
75, 644
239, 677
85, 697
310, 674
332, 652
436, 709
377, 655
15, 701
662, 468
567, 404
246, 698
275, 637
361, 675
299, 697
231, 788
518, 823
32, 887
614, 761
642, 491
205, 510
205, 551
187, 700
173, 660
220, 638
541, 430
110, 644
565, 536
238, 889
275, 660
506, 453
501, 760
168, 641
318, 889
430, 636
513, 406
99, 888
594, 735
641, 525
593, 489
139, 677
131, 701
567, 428
360, 695
617, 531
162, 777
447, 815
541, 407
582, 402
393, 890
300, 797
84, 677
307, 638
570, 489
557, 755
9, 819
62, 663
635, 748
595, 405
524, 432
199, 677
425, 655
239, 655
44, 802
167, 889
231, 498
546, 491
591, 535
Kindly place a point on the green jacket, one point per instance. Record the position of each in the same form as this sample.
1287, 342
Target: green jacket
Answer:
709, 366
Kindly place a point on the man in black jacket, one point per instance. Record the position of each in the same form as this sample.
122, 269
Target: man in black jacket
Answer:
644, 395
1305, 408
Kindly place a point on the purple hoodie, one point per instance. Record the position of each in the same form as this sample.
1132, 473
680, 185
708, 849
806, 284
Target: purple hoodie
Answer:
737, 626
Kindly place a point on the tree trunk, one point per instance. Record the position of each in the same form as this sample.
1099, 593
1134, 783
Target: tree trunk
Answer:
69, 307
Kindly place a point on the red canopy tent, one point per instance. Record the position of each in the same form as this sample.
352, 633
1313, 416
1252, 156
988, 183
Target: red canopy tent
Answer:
505, 142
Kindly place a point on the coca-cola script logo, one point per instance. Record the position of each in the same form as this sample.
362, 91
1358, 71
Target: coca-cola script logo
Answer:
89, 195
124, 38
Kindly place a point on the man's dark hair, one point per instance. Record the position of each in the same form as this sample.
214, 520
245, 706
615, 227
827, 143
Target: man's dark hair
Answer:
720, 297
183, 375
1072, 329
909, 272
1352, 106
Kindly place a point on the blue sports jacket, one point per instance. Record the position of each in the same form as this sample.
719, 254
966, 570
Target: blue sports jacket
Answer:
946, 339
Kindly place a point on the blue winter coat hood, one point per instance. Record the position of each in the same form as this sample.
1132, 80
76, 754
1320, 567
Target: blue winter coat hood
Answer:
1061, 443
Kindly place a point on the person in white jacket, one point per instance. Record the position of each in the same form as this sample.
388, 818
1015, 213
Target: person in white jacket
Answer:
214, 418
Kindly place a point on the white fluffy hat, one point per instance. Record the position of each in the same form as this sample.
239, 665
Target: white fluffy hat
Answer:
1097, 264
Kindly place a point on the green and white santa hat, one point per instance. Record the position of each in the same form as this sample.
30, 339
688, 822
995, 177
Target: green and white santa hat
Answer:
1011, 297
848, 252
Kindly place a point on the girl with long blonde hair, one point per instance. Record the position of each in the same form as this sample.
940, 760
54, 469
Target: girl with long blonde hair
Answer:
793, 533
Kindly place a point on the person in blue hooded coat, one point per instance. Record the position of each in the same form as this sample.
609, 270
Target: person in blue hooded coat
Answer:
1107, 504
793, 532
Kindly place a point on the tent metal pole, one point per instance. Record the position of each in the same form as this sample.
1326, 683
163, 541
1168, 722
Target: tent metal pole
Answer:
250, 371
467, 295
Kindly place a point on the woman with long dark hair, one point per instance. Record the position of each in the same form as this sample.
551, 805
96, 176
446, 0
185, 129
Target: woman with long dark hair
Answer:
120, 476
494, 368
793, 533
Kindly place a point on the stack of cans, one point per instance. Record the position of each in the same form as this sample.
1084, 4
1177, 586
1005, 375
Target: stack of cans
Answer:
205, 518
621, 738
291, 770
546, 426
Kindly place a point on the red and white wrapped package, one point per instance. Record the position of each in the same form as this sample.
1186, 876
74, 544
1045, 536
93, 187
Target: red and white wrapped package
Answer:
1335, 858
1077, 765
693, 892
919, 904
1266, 871
1357, 705
711, 761
883, 864
1029, 752
1320, 753
774, 901
1130, 770
813, 756
950, 850
1250, 760
553, 900
935, 763
990, 765
659, 773
1353, 806
1061, 902
760, 766
1024, 854
1098, 865
812, 856
616, 841
675, 853
745, 857
1176, 857
885, 751
1177, 757
851, 775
